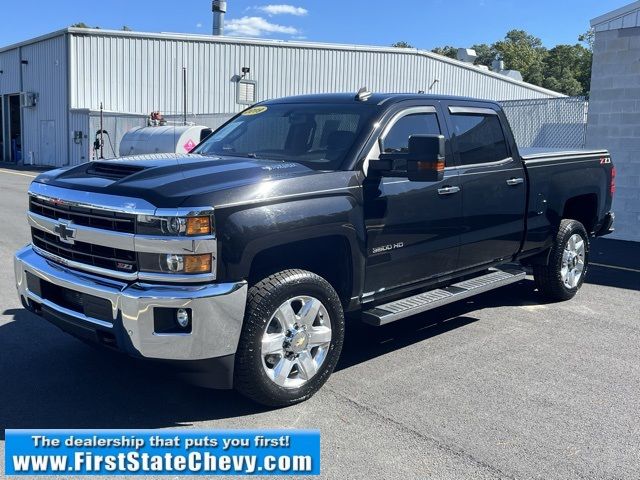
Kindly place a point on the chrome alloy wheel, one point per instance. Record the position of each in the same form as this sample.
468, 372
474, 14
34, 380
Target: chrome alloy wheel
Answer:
573, 261
296, 341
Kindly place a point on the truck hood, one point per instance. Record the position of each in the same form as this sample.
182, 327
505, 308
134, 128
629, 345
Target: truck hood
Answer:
166, 180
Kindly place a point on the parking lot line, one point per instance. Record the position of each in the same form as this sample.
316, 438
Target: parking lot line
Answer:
2, 170
626, 269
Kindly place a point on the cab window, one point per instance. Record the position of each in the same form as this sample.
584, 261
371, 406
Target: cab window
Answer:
397, 139
479, 138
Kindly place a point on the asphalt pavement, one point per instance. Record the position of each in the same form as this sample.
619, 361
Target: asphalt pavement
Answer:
503, 385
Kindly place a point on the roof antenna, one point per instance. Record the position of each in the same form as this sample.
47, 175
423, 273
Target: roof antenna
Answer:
363, 94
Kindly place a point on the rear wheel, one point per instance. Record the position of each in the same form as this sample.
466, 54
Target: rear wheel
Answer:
291, 338
568, 261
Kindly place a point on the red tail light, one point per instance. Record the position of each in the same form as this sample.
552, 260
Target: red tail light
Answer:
612, 185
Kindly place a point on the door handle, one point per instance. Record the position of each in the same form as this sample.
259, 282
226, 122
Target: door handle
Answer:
448, 190
515, 181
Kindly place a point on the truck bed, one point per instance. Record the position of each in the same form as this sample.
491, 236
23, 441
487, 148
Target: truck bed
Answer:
556, 175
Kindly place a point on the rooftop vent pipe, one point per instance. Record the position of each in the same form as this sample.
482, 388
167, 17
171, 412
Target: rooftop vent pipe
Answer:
497, 65
219, 8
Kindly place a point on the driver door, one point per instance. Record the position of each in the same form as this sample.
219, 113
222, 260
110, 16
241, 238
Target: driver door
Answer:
413, 228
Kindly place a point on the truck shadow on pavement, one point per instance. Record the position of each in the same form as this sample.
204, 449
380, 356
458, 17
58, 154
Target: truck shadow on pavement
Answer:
405, 332
614, 263
51, 380
397, 335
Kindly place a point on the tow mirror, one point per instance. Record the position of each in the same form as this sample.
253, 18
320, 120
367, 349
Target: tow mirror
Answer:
426, 158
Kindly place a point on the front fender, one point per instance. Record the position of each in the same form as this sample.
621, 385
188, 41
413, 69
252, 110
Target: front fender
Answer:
245, 233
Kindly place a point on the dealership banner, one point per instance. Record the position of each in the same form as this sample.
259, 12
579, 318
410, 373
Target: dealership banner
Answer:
162, 452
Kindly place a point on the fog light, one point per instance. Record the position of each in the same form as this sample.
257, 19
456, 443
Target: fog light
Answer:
182, 317
172, 321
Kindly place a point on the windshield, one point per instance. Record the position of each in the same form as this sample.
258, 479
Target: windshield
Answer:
317, 135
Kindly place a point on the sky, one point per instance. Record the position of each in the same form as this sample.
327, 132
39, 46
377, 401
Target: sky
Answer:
424, 24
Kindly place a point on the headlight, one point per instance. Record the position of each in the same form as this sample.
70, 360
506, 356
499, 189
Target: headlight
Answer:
184, 232
174, 226
175, 263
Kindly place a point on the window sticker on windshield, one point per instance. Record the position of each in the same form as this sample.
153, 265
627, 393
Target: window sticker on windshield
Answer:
254, 111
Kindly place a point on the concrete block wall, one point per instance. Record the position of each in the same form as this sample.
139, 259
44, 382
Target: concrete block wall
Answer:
614, 119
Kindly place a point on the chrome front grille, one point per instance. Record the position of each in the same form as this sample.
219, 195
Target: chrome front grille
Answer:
88, 217
86, 253
97, 233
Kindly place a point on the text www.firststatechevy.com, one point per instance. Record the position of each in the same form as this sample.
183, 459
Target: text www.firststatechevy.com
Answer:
133, 462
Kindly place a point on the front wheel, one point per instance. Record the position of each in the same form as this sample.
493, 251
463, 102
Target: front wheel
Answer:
291, 338
563, 276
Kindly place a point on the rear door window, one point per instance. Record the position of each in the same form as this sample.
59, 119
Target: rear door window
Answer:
479, 138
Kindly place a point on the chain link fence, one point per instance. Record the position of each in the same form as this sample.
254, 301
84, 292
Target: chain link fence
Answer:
548, 122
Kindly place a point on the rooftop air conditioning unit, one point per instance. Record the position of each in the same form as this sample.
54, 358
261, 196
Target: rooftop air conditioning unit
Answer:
515, 74
466, 55
28, 99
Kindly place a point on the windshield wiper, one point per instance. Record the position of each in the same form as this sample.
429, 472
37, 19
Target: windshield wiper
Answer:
240, 155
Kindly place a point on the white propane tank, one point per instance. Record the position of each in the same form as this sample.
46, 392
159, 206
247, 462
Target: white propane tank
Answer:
162, 139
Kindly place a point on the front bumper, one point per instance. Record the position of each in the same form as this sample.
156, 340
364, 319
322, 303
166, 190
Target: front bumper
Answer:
217, 311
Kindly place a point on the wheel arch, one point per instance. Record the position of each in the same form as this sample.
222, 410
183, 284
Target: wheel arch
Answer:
332, 259
583, 208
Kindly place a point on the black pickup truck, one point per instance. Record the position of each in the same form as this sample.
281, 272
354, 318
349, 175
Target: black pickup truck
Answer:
239, 262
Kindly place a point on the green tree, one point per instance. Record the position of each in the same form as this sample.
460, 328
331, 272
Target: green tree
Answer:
486, 54
564, 68
447, 51
84, 25
588, 37
523, 52
402, 44
566, 84
567, 68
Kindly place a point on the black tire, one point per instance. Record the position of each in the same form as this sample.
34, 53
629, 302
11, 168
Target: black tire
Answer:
264, 298
548, 277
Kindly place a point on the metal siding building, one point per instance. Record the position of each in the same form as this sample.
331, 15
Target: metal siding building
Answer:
73, 71
39, 66
44, 126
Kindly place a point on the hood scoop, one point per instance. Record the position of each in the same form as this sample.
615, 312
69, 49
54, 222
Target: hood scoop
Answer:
112, 170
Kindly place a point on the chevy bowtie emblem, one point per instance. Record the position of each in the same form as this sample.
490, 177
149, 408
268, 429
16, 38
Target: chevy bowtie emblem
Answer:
65, 232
